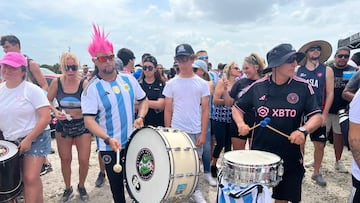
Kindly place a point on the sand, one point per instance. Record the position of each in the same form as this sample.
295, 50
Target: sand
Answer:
337, 189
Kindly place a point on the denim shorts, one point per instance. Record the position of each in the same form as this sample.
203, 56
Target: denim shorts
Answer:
41, 146
194, 138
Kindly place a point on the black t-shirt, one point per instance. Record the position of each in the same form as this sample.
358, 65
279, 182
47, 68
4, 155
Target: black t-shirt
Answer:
285, 105
153, 92
341, 79
239, 86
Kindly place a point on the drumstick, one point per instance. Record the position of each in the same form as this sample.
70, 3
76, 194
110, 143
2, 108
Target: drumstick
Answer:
277, 131
117, 167
263, 122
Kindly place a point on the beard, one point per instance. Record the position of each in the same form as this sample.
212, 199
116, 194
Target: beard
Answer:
108, 71
315, 58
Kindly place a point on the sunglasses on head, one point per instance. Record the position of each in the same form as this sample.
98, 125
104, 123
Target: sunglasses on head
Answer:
71, 67
104, 59
149, 68
343, 56
316, 48
203, 57
291, 59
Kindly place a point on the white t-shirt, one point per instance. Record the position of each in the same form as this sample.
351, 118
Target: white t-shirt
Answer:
186, 94
354, 116
18, 109
113, 104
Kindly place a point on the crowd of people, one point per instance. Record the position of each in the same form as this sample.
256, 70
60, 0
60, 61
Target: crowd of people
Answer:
299, 91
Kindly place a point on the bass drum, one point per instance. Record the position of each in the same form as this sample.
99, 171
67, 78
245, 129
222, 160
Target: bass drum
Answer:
161, 165
10, 172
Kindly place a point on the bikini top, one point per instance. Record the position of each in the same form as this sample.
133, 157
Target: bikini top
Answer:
69, 100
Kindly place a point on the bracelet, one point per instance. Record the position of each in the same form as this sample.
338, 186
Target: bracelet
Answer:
142, 117
107, 140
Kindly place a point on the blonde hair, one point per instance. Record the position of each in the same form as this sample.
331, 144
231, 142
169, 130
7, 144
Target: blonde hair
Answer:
256, 60
64, 57
227, 69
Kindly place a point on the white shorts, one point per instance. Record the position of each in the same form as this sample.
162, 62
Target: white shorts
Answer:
333, 122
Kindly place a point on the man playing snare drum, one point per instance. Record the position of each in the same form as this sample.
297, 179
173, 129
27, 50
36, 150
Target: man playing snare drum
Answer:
284, 98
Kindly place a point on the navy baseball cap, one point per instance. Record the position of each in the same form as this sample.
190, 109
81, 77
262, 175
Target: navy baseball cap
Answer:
184, 50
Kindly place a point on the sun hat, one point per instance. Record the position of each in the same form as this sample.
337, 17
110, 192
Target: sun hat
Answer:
184, 50
279, 54
326, 50
200, 64
14, 59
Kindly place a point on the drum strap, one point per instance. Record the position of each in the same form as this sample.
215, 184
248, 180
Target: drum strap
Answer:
247, 191
355, 183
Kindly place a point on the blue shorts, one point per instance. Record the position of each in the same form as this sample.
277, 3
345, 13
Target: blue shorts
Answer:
194, 138
41, 146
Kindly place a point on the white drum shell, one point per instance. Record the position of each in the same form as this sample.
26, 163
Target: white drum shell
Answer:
175, 165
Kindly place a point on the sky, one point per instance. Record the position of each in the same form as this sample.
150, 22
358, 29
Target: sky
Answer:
228, 30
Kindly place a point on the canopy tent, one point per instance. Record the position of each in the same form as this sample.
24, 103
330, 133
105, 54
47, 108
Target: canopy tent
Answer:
353, 42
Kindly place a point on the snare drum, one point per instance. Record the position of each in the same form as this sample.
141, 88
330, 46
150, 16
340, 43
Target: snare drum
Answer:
244, 167
10, 172
161, 165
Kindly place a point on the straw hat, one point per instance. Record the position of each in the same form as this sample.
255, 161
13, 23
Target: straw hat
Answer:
326, 50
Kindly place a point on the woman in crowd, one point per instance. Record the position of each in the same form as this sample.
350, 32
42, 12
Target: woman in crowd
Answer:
201, 69
70, 127
253, 67
24, 115
160, 70
153, 85
222, 123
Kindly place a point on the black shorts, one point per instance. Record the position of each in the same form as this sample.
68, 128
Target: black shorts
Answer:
237, 135
73, 128
290, 187
319, 135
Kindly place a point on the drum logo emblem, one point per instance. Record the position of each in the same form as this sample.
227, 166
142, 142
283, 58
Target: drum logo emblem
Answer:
145, 164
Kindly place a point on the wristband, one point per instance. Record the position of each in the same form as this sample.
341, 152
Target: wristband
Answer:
107, 140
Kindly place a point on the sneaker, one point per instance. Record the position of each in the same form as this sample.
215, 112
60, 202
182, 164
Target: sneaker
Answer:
46, 168
83, 194
68, 194
208, 177
214, 171
198, 197
100, 180
309, 164
339, 166
319, 180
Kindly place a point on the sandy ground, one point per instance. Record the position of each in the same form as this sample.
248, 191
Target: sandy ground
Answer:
337, 189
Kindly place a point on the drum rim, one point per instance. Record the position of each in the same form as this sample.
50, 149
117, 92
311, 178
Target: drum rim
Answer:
13, 150
124, 163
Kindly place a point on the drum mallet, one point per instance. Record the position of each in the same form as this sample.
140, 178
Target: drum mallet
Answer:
117, 167
265, 124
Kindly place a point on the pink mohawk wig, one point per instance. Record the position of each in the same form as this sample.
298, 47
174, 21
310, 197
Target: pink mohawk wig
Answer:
99, 43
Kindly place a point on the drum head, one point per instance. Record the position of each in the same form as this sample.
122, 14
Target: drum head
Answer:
7, 150
147, 166
251, 157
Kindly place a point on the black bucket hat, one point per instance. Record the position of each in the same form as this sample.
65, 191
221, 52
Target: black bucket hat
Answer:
279, 54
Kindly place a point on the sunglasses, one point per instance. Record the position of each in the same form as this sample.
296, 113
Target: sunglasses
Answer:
71, 67
317, 48
343, 56
104, 59
203, 57
149, 68
291, 59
